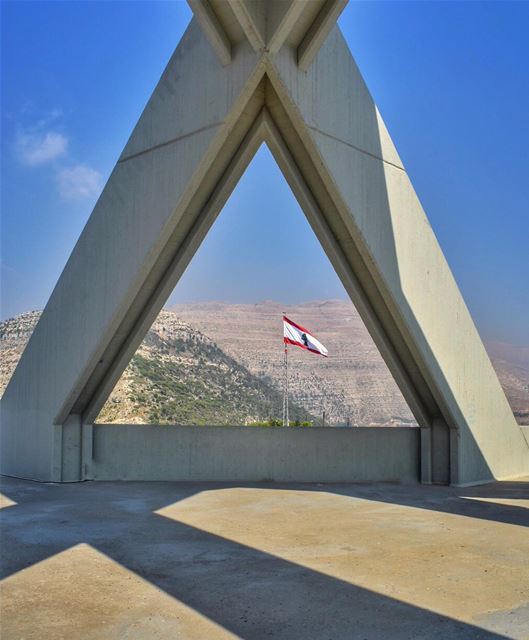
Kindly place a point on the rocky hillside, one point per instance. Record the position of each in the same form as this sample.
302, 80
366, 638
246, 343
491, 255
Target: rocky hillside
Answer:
512, 366
217, 363
353, 383
177, 376
14, 335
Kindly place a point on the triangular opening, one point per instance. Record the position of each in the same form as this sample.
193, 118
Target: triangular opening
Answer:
214, 355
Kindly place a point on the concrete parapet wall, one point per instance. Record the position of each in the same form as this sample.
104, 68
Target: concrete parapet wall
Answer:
358, 454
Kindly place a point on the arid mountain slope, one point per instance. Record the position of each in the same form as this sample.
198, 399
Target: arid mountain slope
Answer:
512, 366
177, 376
219, 363
353, 383
14, 335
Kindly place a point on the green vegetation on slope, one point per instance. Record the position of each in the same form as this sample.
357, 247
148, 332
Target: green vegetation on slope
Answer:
179, 376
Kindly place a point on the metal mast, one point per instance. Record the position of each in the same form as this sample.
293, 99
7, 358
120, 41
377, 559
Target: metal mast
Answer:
285, 391
285, 382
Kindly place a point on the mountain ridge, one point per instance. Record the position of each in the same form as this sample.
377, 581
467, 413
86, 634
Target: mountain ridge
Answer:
177, 376
244, 344
359, 389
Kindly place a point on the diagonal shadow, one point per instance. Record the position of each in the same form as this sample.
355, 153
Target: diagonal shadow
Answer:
507, 489
452, 500
251, 593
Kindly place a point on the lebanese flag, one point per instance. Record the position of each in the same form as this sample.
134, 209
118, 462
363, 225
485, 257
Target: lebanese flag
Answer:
295, 334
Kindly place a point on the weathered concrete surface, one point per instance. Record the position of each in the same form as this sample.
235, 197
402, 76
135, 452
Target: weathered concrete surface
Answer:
140, 221
365, 194
192, 143
94, 561
360, 454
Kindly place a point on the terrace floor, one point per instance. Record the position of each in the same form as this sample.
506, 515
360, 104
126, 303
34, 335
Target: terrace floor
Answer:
103, 560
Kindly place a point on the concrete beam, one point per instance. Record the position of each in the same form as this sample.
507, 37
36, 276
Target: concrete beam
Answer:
212, 29
279, 33
386, 238
319, 30
251, 17
170, 165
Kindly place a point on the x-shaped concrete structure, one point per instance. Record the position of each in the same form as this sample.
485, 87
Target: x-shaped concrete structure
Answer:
244, 73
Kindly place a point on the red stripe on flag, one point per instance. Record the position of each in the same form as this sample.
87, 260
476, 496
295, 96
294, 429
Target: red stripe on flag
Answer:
303, 346
298, 326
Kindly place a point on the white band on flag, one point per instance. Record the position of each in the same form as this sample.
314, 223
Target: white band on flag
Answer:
300, 337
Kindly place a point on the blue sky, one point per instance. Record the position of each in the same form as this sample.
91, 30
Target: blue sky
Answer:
451, 80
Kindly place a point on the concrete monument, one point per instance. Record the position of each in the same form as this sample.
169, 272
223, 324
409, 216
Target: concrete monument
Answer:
244, 73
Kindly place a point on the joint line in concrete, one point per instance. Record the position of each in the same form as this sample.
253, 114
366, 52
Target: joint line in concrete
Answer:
353, 146
168, 142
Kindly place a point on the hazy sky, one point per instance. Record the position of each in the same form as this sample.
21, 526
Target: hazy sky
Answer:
451, 80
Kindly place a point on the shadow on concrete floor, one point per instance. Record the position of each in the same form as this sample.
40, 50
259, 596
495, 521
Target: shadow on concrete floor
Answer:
247, 591
473, 502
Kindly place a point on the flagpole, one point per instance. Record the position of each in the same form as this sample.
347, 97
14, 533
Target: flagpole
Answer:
285, 388
285, 417
297, 335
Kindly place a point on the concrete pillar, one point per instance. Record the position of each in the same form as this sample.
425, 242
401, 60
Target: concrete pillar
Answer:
71, 449
436, 453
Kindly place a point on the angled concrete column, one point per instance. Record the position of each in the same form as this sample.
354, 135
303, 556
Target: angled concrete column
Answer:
246, 72
386, 238
197, 114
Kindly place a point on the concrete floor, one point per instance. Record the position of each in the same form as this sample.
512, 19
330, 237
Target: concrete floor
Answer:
171, 560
